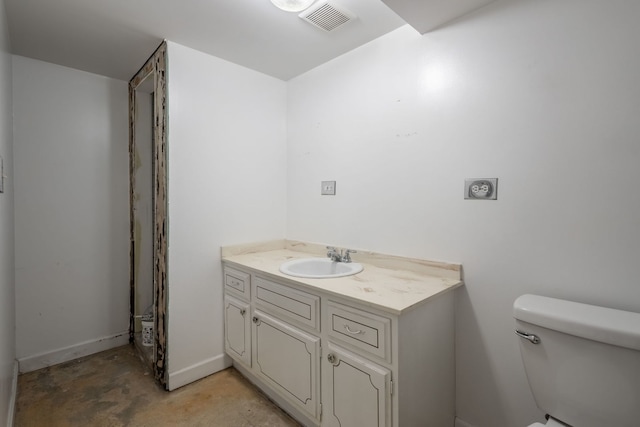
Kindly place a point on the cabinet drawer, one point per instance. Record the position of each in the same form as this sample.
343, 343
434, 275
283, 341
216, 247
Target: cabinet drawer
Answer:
287, 302
237, 281
360, 329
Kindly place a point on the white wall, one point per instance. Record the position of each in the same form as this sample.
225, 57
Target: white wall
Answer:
71, 207
543, 95
7, 282
227, 171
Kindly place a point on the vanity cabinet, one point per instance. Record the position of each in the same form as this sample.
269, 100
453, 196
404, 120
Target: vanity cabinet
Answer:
332, 361
237, 315
288, 360
237, 329
357, 391
272, 334
286, 343
357, 388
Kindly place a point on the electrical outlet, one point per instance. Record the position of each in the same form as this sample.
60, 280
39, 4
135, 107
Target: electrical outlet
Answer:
328, 188
481, 188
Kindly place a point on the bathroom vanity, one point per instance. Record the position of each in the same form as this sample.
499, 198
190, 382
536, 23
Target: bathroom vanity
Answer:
372, 349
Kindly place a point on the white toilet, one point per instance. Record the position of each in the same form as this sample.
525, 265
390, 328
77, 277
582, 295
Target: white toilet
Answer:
582, 361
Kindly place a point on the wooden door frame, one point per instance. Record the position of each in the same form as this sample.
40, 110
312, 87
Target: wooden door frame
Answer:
156, 65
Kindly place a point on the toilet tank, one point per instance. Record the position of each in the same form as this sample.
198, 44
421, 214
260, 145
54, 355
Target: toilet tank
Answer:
585, 369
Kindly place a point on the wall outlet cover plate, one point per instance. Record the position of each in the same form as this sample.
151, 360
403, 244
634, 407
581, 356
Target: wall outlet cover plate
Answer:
328, 188
481, 188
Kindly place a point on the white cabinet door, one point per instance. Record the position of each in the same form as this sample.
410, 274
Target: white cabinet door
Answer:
288, 360
237, 330
356, 392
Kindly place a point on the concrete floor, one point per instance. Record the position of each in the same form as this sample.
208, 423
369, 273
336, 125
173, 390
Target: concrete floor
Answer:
114, 388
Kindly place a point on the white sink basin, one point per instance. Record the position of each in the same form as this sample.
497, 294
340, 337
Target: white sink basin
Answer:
319, 268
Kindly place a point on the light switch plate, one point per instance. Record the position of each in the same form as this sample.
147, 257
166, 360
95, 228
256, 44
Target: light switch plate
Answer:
481, 188
328, 188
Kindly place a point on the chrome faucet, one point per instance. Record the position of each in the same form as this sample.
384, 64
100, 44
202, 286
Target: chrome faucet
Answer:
343, 256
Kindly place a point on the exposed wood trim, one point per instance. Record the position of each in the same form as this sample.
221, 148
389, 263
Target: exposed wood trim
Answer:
157, 66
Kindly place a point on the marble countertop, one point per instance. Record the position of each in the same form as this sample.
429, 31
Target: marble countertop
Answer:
389, 283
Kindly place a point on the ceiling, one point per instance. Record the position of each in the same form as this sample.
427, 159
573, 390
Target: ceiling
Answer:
115, 37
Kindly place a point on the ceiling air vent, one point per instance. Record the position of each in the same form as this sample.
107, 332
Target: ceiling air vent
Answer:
327, 16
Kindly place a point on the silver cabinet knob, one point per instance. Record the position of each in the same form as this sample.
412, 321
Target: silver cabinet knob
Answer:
255, 319
243, 312
332, 358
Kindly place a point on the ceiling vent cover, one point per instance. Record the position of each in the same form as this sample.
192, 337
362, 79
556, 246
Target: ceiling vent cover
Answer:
327, 16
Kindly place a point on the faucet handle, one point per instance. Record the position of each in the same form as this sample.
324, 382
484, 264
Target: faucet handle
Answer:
347, 257
331, 252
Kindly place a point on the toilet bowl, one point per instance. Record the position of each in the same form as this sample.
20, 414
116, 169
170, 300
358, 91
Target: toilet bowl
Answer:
550, 423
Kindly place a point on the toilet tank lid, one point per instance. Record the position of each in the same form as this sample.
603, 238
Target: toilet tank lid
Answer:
607, 325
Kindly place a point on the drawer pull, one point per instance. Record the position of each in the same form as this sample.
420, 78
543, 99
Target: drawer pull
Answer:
256, 320
332, 358
242, 312
353, 332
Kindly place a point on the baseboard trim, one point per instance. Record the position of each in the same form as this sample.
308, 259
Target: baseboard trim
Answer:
13, 397
198, 371
461, 423
43, 360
